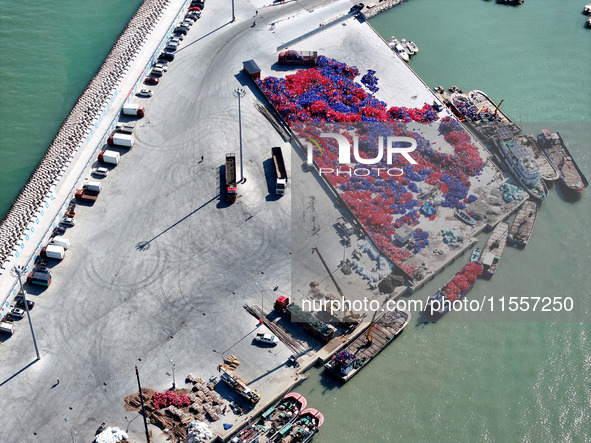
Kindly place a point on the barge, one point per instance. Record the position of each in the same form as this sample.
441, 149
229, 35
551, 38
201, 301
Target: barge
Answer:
494, 249
523, 225
554, 147
349, 361
548, 171
455, 289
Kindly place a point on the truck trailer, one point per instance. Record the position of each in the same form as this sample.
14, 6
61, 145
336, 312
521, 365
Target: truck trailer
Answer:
231, 177
279, 170
133, 110
119, 139
111, 157
297, 58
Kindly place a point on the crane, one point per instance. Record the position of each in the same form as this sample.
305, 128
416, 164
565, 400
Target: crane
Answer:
351, 315
496, 108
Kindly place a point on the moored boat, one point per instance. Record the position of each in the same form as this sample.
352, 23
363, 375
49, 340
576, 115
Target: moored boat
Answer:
461, 283
587, 8
521, 163
523, 225
554, 147
412, 46
281, 414
407, 48
548, 171
399, 49
476, 255
493, 250
464, 217
303, 430
347, 362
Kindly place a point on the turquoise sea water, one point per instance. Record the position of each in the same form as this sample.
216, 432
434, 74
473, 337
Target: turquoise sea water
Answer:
449, 381
49, 51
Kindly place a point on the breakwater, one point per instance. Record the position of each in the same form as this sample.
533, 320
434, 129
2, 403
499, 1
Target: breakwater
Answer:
77, 126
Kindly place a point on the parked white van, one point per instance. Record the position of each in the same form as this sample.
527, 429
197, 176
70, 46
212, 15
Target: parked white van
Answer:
60, 241
6, 328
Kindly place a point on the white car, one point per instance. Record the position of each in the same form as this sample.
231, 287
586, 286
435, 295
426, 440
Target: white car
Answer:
103, 172
68, 221
144, 93
17, 312
161, 66
267, 338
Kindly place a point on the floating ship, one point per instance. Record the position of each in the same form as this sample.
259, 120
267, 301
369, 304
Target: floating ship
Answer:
521, 163
570, 174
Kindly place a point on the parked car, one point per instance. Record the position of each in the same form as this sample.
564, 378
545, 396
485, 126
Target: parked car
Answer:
58, 230
267, 339
166, 56
68, 221
17, 313
195, 9
186, 23
161, 66
144, 93
181, 30
174, 40
42, 268
193, 16
157, 71
178, 36
151, 81
101, 172
21, 304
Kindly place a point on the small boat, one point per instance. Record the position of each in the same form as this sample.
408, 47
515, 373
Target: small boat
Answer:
589, 22
510, 2
547, 170
392, 41
475, 255
399, 49
523, 225
408, 49
587, 8
302, 430
411, 45
464, 217
494, 249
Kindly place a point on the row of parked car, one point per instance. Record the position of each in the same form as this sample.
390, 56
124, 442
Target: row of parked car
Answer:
160, 66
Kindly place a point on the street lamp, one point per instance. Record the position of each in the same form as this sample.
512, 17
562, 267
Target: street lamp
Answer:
72, 432
233, 17
239, 93
18, 270
173, 380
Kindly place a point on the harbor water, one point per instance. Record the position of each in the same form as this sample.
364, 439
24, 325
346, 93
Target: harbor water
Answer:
446, 381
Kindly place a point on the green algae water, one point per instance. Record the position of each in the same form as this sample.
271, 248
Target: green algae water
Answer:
449, 381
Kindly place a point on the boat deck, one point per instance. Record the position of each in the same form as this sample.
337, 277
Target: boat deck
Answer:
523, 225
547, 169
496, 245
480, 99
559, 155
383, 332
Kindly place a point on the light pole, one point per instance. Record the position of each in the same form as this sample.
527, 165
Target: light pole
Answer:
173, 380
233, 17
18, 271
72, 432
239, 93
